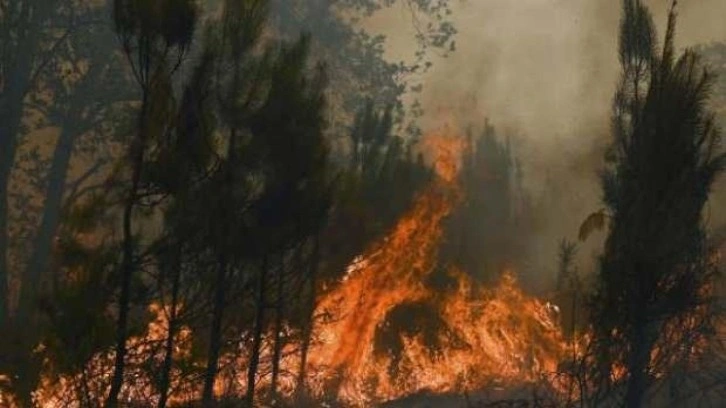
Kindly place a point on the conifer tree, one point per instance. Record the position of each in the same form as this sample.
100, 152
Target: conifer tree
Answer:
155, 37
663, 161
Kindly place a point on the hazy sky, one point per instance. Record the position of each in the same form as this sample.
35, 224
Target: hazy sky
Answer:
546, 71
545, 67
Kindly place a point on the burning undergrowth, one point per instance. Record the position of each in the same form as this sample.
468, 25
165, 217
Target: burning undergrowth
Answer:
390, 334
399, 323
390, 328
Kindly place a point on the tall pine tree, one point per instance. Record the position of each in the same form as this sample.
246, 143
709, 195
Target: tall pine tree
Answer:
662, 164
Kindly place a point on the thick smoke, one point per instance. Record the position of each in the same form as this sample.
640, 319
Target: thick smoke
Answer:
544, 71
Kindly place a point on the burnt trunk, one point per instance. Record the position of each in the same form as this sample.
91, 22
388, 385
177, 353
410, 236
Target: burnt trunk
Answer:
127, 261
215, 333
169, 343
641, 345
280, 313
39, 262
8, 153
257, 336
30, 366
21, 335
76, 120
301, 389
16, 86
10, 120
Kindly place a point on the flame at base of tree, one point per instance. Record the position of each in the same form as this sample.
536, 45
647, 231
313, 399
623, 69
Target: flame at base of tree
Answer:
484, 336
496, 335
480, 336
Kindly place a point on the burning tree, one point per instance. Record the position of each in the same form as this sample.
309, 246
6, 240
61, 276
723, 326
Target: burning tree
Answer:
662, 164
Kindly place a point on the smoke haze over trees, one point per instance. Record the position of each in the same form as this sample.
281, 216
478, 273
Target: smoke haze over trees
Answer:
306, 202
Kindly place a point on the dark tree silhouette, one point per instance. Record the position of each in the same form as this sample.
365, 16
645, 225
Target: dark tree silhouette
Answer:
30, 32
663, 162
155, 36
183, 158
88, 90
484, 232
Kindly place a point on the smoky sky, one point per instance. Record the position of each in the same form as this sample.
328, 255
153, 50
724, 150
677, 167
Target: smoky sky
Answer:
543, 71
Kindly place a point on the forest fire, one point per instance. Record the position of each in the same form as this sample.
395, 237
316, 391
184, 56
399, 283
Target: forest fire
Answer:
381, 334
234, 203
491, 334
481, 335
496, 335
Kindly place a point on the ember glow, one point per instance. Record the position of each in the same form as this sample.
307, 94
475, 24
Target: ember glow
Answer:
492, 335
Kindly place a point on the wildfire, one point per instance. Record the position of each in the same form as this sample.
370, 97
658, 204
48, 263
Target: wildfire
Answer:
491, 335
56, 392
481, 336
496, 334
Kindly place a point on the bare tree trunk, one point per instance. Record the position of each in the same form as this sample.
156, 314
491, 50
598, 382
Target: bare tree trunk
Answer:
76, 120
20, 358
127, 261
257, 339
16, 85
638, 365
279, 314
8, 155
215, 333
301, 389
39, 262
10, 121
169, 343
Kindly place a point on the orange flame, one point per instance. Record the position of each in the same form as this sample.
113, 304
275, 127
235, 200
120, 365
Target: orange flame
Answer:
497, 334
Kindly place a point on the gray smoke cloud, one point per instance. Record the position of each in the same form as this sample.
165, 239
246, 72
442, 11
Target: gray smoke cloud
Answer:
544, 71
